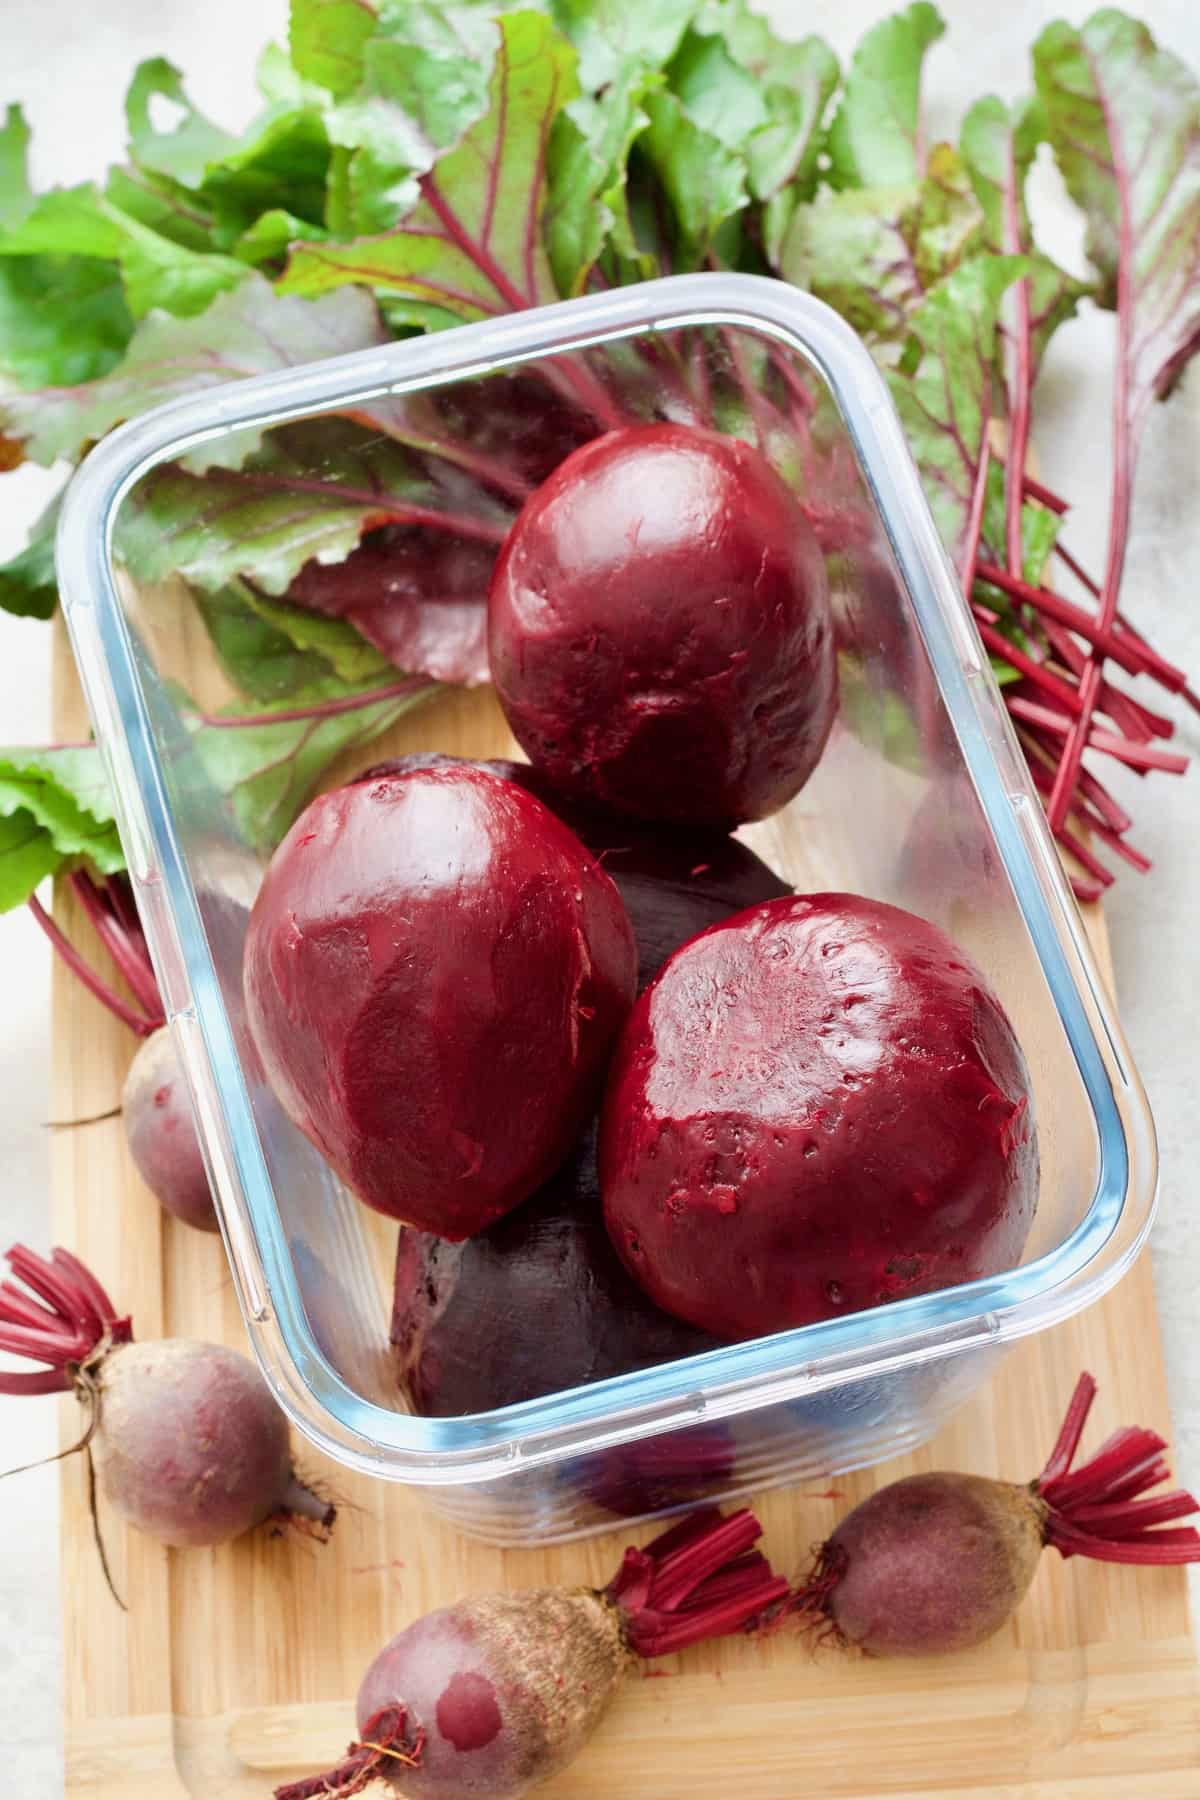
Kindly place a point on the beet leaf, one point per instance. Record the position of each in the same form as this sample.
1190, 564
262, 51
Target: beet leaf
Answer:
472, 244
876, 137
248, 332
875, 252
55, 809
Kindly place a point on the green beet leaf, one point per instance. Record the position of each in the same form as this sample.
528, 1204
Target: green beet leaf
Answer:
250, 331
28, 586
874, 253
587, 160
875, 138
473, 243
311, 491
274, 652
948, 391
610, 34
55, 808
1123, 117
269, 769
327, 38
185, 151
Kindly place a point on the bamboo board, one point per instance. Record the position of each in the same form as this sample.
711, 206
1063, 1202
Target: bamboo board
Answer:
235, 1669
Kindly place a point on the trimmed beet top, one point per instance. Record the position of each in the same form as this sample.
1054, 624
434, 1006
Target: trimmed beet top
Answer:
659, 629
435, 970
817, 1106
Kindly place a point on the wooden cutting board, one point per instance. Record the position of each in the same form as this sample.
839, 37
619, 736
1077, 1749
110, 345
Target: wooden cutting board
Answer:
235, 1669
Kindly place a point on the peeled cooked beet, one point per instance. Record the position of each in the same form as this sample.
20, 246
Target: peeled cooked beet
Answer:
675, 881
435, 970
659, 629
536, 1303
817, 1106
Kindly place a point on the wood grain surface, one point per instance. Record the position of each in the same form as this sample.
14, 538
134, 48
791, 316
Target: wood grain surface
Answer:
235, 1669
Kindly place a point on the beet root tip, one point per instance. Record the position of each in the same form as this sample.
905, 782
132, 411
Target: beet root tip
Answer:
303, 1508
387, 1746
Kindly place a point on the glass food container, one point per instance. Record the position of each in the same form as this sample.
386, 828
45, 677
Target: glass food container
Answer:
922, 798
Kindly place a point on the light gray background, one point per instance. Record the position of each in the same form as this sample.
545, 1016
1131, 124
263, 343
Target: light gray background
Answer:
69, 66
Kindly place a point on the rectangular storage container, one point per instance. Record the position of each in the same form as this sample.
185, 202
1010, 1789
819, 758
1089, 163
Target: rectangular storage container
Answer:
922, 798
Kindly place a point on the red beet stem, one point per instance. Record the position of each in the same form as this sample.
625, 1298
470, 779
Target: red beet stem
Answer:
119, 1008
1096, 1511
1036, 490
386, 1745
693, 1582
1022, 385
63, 1327
974, 530
127, 952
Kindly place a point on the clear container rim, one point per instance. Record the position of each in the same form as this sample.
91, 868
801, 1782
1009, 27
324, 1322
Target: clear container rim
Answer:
739, 1377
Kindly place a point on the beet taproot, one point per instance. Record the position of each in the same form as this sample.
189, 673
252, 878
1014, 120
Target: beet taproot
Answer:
817, 1106
160, 1129
491, 1696
936, 1563
675, 881
659, 629
538, 1302
189, 1445
435, 970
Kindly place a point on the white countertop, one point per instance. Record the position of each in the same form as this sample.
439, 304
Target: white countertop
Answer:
70, 67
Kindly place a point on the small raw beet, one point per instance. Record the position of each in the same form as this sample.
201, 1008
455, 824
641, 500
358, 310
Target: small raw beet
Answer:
936, 1563
435, 971
542, 1289
659, 629
160, 1129
675, 881
487, 1698
188, 1443
817, 1106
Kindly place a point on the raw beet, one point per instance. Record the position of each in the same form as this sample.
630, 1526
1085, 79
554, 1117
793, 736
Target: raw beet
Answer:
160, 1129
536, 1303
817, 1106
435, 970
188, 1443
675, 881
939, 1562
418, 594
491, 1696
659, 629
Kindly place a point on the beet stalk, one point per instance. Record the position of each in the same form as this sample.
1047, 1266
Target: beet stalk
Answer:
939, 1562
189, 1445
492, 1695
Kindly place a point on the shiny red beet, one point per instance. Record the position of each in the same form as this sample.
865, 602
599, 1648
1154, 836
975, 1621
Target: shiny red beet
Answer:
659, 629
435, 970
675, 881
818, 1106
542, 1289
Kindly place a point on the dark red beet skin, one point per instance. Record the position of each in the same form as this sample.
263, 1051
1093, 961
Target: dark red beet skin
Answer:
537, 1303
818, 1106
435, 970
659, 629
675, 881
